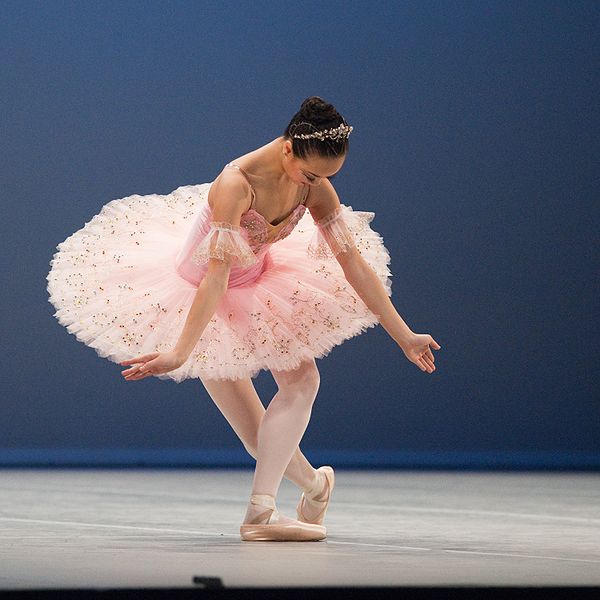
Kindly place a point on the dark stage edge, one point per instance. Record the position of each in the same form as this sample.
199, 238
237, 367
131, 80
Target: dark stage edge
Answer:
331, 593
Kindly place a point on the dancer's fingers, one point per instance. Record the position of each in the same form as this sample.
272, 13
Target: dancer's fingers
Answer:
429, 362
134, 373
130, 371
139, 359
131, 361
426, 363
138, 376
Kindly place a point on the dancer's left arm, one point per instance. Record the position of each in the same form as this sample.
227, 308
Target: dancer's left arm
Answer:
360, 275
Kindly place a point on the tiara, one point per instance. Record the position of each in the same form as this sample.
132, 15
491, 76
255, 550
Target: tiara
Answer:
336, 133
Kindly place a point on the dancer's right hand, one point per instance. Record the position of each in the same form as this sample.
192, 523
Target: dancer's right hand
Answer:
154, 363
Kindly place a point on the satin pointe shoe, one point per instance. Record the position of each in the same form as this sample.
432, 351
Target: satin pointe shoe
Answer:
321, 498
269, 526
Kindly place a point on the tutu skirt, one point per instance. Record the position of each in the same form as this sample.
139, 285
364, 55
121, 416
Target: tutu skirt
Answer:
118, 284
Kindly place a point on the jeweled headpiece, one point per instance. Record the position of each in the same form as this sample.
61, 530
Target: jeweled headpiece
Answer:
336, 133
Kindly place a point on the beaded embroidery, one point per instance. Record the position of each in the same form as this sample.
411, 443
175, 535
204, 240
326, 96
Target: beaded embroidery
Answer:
110, 290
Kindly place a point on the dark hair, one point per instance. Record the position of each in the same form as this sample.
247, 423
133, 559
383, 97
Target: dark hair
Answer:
316, 114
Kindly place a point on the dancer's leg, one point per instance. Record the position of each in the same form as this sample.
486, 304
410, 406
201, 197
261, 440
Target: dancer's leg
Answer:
240, 405
284, 424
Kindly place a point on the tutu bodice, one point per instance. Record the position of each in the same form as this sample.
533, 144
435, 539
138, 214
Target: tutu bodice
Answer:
124, 283
255, 232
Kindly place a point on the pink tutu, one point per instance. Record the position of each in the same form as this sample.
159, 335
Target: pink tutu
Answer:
124, 283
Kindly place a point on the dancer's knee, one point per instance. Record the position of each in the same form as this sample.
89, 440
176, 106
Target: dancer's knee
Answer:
301, 383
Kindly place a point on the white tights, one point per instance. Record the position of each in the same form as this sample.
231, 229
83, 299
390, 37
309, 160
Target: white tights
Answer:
272, 435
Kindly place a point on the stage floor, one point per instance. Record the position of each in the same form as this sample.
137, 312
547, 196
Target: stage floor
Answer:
136, 528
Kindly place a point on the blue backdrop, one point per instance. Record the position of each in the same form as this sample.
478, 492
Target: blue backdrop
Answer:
475, 144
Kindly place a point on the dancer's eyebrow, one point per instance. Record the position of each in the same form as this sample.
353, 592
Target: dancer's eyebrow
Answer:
320, 176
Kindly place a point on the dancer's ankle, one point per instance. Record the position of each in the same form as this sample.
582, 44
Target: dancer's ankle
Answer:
261, 509
315, 485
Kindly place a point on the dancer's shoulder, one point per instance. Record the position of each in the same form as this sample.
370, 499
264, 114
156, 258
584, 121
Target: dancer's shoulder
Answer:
229, 196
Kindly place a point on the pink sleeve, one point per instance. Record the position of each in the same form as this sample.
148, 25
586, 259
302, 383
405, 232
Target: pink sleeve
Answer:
338, 232
332, 236
225, 242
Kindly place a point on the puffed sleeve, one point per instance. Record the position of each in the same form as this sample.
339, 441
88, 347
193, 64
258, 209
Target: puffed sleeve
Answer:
225, 242
336, 232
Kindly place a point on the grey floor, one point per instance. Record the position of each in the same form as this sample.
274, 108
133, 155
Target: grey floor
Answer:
159, 528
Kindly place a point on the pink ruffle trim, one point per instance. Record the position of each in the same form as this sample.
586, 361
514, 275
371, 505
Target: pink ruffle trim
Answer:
337, 231
225, 242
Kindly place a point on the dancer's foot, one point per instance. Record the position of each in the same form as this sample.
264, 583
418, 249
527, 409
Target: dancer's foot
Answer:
262, 510
264, 523
314, 501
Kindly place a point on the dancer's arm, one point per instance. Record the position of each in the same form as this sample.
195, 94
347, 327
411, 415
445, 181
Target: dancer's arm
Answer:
368, 286
229, 201
210, 291
359, 274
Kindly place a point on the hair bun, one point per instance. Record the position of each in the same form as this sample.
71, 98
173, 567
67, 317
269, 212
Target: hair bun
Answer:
316, 129
312, 101
314, 108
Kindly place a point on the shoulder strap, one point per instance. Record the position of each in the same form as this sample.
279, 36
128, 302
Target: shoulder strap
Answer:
247, 179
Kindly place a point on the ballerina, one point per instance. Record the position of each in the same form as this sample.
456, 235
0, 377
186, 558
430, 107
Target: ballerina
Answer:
255, 282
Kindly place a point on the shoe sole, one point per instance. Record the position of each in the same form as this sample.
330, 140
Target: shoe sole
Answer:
276, 532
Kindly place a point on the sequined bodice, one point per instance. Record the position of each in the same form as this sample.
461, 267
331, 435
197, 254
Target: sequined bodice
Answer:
261, 232
254, 228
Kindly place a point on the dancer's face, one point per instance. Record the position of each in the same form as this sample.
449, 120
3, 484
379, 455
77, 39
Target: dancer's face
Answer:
312, 169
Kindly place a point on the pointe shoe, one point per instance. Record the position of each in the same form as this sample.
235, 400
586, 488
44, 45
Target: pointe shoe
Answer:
324, 497
267, 526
